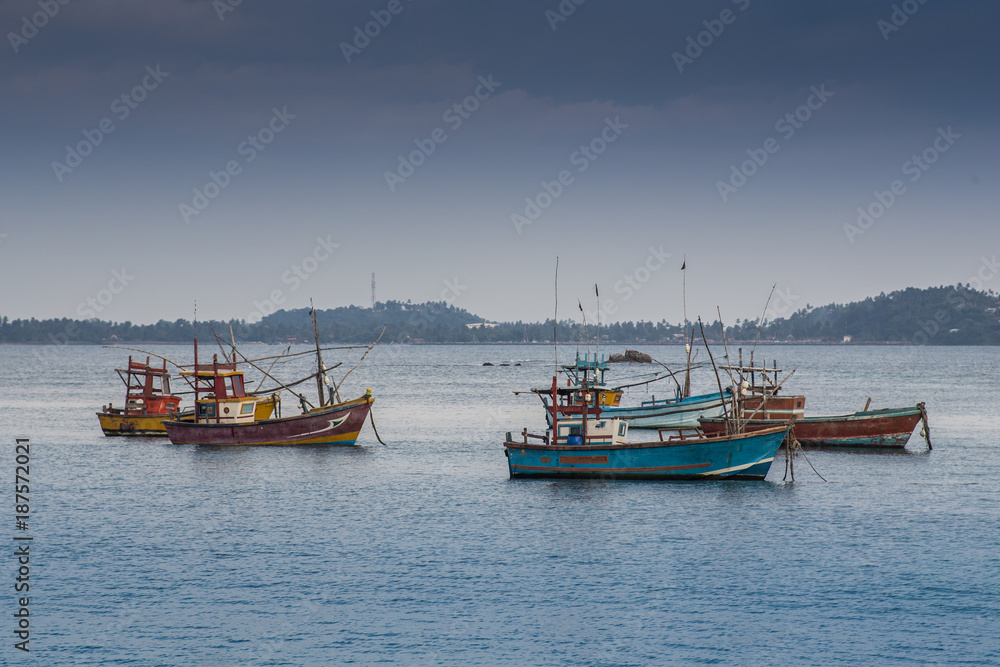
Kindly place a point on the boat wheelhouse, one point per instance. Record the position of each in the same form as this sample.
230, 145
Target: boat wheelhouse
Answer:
148, 402
220, 393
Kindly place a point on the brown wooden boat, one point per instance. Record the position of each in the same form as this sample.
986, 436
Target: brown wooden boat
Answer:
759, 406
888, 428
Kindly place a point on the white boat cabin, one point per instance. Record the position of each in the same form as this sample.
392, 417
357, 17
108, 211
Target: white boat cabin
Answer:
599, 432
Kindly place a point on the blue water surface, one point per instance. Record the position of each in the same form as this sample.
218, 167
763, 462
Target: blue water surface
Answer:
425, 552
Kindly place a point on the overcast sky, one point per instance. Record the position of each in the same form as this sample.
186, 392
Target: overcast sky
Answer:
256, 155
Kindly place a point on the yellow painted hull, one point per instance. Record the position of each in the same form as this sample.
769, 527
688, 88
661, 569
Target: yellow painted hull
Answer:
152, 425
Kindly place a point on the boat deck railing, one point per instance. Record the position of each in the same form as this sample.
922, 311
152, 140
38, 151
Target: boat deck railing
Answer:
680, 433
525, 435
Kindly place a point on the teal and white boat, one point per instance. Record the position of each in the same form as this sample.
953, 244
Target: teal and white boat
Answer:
584, 442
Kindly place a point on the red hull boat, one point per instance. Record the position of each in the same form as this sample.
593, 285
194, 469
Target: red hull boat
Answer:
889, 428
337, 424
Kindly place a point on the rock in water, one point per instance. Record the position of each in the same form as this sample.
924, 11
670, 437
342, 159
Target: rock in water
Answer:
631, 355
638, 357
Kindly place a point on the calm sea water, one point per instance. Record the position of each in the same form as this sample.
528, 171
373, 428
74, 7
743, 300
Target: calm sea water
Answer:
425, 552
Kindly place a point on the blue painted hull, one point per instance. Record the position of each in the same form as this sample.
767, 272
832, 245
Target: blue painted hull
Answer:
745, 456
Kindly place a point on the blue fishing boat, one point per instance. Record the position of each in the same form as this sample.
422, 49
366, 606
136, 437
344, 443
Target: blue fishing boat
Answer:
583, 442
677, 412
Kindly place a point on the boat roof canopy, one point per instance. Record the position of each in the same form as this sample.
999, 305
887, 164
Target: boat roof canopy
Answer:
210, 370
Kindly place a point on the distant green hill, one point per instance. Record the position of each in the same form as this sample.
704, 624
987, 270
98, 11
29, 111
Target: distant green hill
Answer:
954, 315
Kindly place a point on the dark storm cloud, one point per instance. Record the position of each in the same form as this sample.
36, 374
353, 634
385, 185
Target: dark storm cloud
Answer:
620, 51
699, 84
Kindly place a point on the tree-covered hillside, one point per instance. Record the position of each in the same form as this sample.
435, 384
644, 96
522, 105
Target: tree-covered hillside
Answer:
954, 315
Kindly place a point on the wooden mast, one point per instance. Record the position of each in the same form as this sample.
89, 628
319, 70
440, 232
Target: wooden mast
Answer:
197, 393
319, 357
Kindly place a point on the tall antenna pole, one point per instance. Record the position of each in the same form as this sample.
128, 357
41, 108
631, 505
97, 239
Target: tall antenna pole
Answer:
687, 342
597, 352
555, 324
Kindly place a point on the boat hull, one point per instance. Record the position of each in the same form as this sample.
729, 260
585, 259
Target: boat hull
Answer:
122, 424
667, 413
745, 456
337, 424
889, 429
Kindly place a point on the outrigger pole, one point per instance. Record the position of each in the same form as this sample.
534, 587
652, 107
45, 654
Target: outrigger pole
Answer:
725, 412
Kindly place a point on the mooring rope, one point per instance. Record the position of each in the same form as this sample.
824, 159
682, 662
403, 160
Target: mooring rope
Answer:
371, 418
792, 448
926, 430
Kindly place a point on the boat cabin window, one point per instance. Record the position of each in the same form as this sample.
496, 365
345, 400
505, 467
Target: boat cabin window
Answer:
228, 387
165, 384
247, 408
574, 430
206, 409
621, 429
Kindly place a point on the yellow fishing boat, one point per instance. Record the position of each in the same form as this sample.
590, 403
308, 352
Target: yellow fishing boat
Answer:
149, 401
